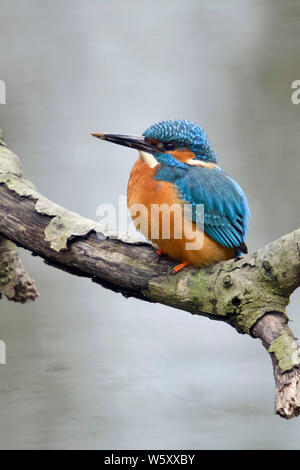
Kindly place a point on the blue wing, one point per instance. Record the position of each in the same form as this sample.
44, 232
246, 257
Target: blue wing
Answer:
226, 210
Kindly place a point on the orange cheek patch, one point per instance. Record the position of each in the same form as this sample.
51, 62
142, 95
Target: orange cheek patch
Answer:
187, 156
183, 155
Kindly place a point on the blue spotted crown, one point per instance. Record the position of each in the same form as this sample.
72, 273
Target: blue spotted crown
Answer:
186, 134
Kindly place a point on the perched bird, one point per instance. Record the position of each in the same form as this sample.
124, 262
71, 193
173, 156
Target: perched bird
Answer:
177, 165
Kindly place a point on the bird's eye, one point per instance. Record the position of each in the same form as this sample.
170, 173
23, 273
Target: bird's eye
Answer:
171, 145
161, 146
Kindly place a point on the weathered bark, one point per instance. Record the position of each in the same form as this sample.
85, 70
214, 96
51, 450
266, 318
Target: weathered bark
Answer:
250, 293
273, 328
15, 283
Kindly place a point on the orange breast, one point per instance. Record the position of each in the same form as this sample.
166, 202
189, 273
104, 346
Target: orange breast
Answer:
145, 197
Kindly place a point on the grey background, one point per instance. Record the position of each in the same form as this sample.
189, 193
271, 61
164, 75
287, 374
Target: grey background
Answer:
85, 367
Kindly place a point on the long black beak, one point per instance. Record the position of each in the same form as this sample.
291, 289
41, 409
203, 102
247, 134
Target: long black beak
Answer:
138, 143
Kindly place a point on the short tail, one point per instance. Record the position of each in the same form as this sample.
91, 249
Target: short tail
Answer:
242, 248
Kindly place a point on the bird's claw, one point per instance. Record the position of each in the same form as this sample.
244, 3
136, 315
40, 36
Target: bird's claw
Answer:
159, 253
176, 269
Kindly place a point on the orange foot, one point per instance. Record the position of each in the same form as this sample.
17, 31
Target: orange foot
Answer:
179, 267
159, 252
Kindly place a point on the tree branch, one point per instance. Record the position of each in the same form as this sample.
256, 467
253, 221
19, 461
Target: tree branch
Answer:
250, 293
15, 283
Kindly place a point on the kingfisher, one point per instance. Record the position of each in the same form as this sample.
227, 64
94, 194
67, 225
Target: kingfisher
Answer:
177, 167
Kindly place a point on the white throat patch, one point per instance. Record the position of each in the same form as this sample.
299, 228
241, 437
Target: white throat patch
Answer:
148, 159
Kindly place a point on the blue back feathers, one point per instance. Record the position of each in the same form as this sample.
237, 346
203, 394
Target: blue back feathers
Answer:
186, 134
226, 209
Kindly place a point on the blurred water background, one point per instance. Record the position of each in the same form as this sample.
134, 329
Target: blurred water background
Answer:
85, 367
